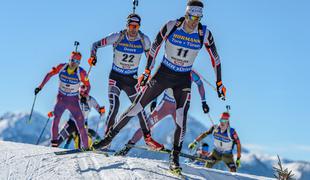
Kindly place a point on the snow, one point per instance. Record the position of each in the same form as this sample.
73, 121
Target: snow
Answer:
25, 161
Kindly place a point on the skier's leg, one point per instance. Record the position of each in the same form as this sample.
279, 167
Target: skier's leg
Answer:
182, 97
229, 161
215, 157
151, 91
58, 111
77, 114
68, 129
114, 92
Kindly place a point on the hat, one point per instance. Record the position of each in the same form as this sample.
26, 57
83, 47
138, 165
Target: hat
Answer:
225, 115
194, 8
76, 55
134, 18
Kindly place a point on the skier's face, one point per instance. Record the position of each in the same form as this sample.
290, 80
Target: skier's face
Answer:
223, 124
73, 63
192, 21
133, 29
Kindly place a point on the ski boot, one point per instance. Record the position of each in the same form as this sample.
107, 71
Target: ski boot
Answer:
103, 144
125, 150
174, 163
152, 143
54, 143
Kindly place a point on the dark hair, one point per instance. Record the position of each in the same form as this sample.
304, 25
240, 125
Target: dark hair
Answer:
195, 3
205, 145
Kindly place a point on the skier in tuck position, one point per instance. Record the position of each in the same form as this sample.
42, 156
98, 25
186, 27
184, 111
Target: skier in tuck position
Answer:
225, 138
167, 106
184, 38
129, 45
70, 130
70, 77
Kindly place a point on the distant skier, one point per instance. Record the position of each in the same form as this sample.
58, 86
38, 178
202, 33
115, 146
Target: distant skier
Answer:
70, 130
184, 38
166, 107
129, 45
70, 76
201, 152
225, 138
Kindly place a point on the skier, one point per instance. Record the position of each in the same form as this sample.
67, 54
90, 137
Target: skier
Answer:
70, 77
201, 152
184, 38
225, 139
129, 45
70, 130
166, 107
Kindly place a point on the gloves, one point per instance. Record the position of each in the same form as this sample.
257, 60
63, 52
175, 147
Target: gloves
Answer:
102, 110
92, 60
192, 145
153, 106
221, 89
144, 77
205, 107
50, 114
83, 100
238, 162
37, 90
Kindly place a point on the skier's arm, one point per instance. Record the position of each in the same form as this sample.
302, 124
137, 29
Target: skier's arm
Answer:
237, 141
54, 71
197, 79
109, 40
205, 134
84, 79
161, 36
215, 58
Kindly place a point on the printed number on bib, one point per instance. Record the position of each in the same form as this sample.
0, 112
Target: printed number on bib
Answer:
128, 58
182, 51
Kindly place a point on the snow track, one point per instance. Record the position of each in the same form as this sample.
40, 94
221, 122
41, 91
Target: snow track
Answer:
24, 161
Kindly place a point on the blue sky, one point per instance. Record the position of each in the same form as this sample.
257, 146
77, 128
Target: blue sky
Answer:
263, 45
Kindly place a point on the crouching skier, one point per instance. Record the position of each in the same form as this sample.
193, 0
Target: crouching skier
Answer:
70, 77
225, 138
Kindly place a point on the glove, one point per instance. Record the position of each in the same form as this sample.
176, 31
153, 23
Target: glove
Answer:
205, 107
144, 77
153, 106
92, 61
192, 145
238, 162
221, 89
50, 114
102, 110
83, 100
37, 90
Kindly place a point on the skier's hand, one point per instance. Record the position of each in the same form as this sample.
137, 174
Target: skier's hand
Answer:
205, 107
153, 106
221, 90
37, 90
102, 110
50, 114
238, 162
192, 145
144, 77
92, 61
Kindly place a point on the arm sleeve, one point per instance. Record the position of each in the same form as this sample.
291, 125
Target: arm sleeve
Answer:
205, 134
84, 79
94, 104
54, 71
160, 37
215, 58
237, 141
197, 79
109, 40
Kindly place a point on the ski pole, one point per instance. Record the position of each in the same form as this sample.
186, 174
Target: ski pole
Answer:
34, 101
50, 114
102, 112
76, 44
88, 72
210, 118
135, 4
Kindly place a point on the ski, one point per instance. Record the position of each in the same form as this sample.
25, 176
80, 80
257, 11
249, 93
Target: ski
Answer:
168, 151
73, 151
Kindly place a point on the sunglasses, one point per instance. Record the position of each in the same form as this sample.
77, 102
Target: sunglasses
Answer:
194, 18
223, 120
133, 26
75, 61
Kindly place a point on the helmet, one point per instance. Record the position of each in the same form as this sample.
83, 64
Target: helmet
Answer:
83, 90
76, 55
133, 18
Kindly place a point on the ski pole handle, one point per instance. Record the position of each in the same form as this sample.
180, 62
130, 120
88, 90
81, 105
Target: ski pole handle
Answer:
76, 44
